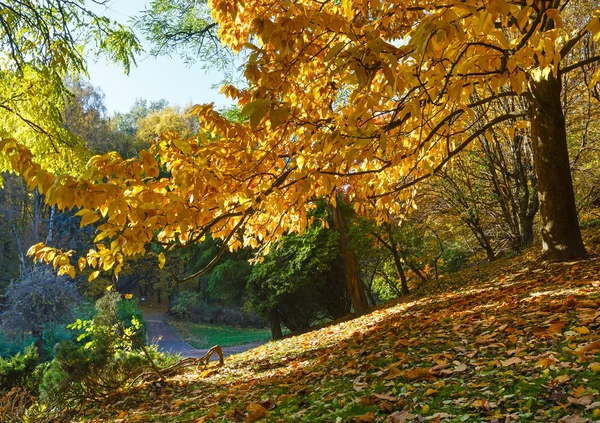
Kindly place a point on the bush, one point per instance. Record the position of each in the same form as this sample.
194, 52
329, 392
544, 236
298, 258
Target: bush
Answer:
128, 311
18, 370
191, 307
104, 357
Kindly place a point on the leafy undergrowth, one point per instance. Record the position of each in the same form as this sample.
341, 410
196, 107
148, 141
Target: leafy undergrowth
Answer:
516, 340
205, 336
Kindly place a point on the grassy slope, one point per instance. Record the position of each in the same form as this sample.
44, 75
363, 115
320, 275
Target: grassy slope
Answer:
205, 336
504, 342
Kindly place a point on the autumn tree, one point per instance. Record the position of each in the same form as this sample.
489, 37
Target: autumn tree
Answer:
364, 97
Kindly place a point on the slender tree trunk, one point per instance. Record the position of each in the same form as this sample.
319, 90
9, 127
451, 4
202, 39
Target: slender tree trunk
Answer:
403, 281
413, 268
50, 236
352, 270
275, 324
561, 236
38, 334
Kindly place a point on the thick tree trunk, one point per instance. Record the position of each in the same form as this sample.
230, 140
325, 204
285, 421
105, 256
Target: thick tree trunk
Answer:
352, 270
275, 324
561, 236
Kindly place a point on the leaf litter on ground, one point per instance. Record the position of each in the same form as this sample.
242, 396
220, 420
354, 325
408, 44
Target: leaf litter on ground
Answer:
515, 340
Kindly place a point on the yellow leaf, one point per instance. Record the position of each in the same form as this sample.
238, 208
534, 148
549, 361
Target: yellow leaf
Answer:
582, 330
94, 275
255, 412
109, 288
425, 409
594, 367
279, 116
184, 146
89, 218
161, 260
129, 296
81, 263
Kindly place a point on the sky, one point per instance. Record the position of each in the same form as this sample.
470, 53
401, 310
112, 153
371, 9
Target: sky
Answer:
153, 78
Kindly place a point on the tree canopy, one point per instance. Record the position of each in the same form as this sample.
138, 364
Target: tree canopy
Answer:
363, 98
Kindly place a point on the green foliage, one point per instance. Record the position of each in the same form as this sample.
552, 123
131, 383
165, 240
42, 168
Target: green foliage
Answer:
18, 370
41, 43
186, 28
302, 278
104, 356
227, 281
128, 122
454, 259
130, 316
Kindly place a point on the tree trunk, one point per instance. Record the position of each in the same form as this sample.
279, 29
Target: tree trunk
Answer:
38, 334
275, 324
50, 236
403, 281
353, 282
561, 236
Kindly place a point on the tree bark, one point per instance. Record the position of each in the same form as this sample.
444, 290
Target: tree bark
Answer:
403, 281
275, 324
561, 236
353, 282
38, 334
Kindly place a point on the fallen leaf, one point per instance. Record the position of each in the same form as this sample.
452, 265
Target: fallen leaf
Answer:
574, 418
594, 367
585, 400
460, 368
401, 417
582, 330
511, 361
420, 373
367, 417
588, 347
385, 397
562, 379
255, 411
437, 416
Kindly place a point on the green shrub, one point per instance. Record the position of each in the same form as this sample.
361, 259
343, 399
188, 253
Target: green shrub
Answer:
128, 311
18, 370
103, 358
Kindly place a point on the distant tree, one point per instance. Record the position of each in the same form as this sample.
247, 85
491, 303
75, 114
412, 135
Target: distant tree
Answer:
128, 122
166, 119
85, 116
37, 300
300, 281
41, 42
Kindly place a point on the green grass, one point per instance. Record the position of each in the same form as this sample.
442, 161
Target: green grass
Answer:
206, 336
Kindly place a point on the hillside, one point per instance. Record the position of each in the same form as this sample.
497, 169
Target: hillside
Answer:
515, 340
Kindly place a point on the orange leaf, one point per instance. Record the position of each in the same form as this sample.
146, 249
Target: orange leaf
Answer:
420, 373
255, 411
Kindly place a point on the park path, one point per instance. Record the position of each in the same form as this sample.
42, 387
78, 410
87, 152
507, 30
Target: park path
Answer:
159, 331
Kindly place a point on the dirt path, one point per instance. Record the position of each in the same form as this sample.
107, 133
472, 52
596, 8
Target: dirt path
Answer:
159, 331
